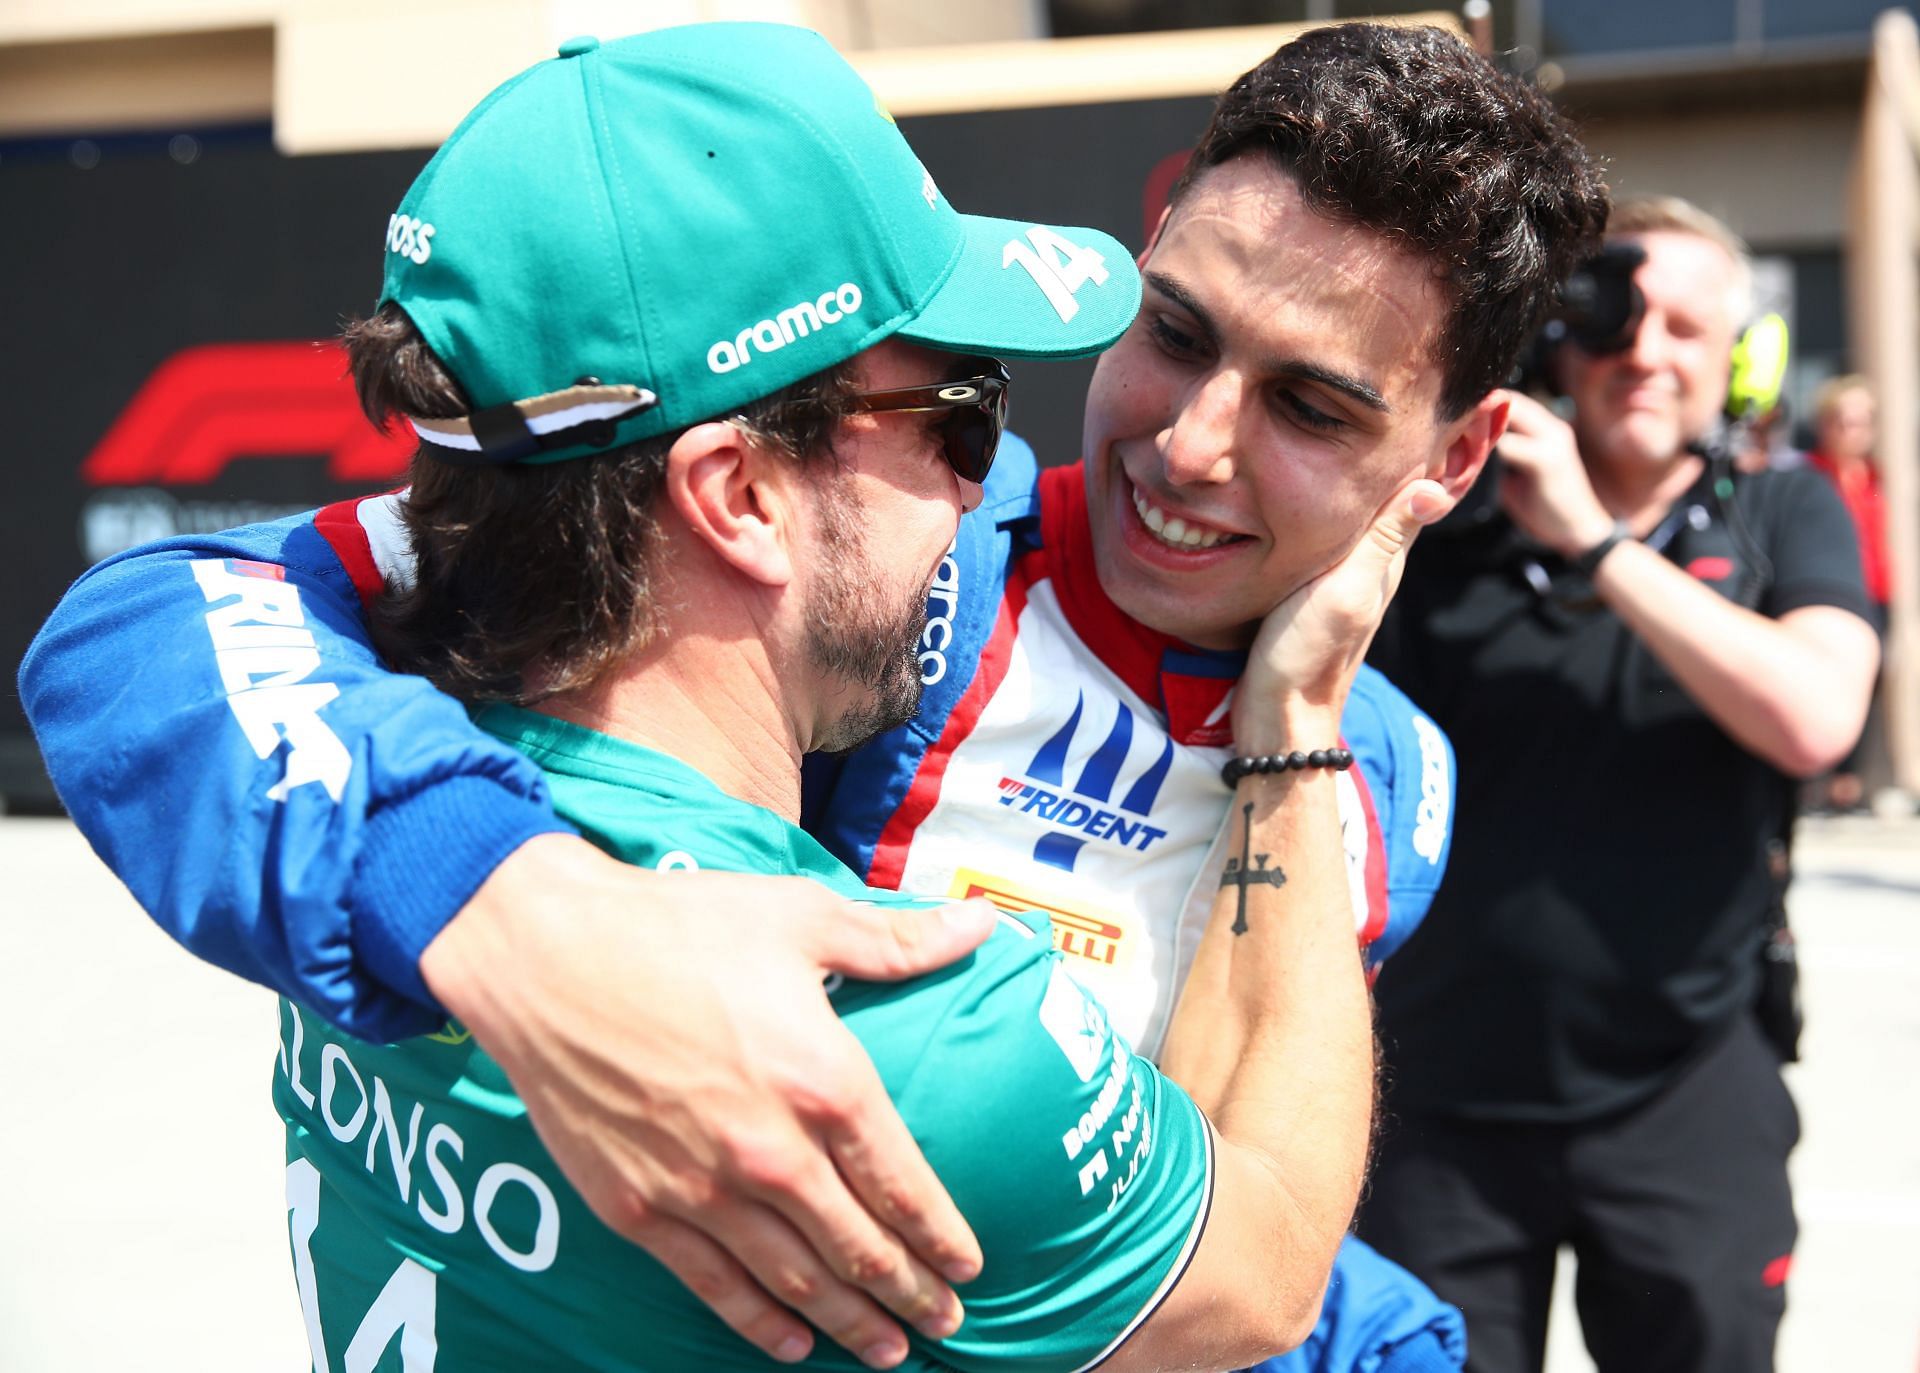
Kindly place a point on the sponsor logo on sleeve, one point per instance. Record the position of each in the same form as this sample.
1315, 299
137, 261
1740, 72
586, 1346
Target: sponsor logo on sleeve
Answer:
265, 654
1436, 791
1076, 1024
943, 601
1088, 1143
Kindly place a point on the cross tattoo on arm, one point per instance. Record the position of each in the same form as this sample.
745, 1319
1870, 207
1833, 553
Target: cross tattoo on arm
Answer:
1240, 874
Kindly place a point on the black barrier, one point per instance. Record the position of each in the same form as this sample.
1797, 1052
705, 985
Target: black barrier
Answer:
165, 298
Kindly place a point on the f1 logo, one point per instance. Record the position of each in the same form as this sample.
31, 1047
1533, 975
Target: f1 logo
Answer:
206, 407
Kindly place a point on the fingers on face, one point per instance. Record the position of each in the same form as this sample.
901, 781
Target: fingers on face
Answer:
1426, 501
1401, 518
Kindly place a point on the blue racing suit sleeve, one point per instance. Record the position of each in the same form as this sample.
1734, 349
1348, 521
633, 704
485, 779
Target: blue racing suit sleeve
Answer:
1409, 762
1378, 1318
218, 725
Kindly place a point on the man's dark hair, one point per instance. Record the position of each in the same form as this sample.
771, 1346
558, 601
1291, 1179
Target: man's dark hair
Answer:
533, 579
1408, 132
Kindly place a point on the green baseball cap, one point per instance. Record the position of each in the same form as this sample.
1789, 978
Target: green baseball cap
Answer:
642, 234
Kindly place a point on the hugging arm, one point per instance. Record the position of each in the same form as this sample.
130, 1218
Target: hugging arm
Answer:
219, 726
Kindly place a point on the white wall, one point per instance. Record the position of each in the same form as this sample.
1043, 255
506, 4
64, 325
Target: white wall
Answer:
1779, 177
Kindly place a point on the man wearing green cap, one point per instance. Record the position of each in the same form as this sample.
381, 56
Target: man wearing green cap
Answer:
1341, 281
676, 555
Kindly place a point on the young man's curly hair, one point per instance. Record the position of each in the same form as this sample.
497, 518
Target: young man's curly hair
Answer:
533, 579
1408, 132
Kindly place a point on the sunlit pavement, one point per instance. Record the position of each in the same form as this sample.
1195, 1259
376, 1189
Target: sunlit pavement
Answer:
144, 1212
1853, 1303
142, 1220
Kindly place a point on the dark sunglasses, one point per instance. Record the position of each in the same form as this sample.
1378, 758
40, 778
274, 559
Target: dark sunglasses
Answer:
977, 412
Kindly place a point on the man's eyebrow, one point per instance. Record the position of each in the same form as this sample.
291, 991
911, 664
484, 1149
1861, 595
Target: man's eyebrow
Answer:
1363, 392
1184, 298
1352, 387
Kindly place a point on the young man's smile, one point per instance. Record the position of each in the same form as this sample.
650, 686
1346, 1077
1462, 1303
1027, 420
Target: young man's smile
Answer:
1280, 383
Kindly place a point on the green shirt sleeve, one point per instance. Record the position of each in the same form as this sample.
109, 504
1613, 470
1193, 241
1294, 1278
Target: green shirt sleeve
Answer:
1085, 1173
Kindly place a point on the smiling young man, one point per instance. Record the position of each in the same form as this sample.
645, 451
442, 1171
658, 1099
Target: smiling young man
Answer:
1341, 280
1268, 331
1297, 356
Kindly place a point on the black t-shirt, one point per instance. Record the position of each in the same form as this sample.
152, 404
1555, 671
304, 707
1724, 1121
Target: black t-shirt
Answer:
1602, 910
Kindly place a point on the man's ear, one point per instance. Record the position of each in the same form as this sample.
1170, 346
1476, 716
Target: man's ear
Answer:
1470, 439
736, 499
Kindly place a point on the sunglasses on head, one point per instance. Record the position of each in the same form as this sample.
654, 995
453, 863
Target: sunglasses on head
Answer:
976, 409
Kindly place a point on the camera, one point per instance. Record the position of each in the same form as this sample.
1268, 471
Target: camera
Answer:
1599, 310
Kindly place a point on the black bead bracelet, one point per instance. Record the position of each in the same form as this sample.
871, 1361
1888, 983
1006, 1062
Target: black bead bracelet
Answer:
1338, 759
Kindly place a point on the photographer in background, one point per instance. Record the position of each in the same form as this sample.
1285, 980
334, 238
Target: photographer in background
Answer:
1634, 657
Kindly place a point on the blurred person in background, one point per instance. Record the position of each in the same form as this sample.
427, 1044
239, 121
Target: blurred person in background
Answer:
1845, 432
1764, 442
1340, 283
1635, 660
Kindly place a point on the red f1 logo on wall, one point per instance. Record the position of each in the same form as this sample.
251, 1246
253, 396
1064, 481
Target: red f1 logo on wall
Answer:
205, 407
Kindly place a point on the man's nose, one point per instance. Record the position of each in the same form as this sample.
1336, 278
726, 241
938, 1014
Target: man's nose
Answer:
1199, 442
1651, 343
971, 494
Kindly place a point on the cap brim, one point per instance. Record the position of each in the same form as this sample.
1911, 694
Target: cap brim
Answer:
1031, 291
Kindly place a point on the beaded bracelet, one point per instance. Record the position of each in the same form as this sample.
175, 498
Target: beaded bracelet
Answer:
1337, 758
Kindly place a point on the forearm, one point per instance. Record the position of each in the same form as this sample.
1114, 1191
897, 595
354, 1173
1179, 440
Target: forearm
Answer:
1273, 1035
276, 799
1792, 696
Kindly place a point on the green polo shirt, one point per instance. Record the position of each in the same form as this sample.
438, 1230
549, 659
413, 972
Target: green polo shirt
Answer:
432, 1231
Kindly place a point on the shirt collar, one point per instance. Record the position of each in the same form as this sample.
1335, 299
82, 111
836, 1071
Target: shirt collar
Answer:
1191, 687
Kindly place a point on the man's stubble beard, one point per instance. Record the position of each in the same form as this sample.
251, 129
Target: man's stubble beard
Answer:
857, 631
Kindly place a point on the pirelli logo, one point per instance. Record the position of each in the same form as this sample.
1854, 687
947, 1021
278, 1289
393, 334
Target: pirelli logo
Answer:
1078, 931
